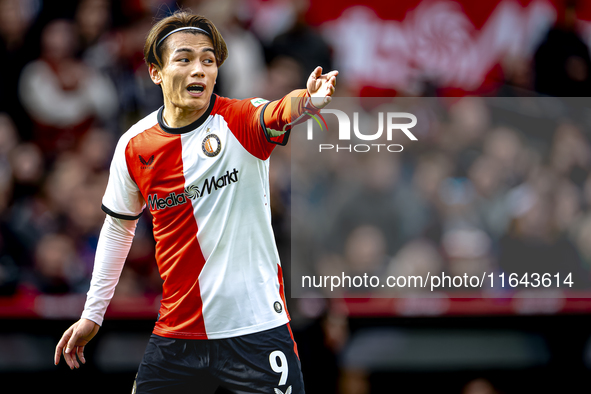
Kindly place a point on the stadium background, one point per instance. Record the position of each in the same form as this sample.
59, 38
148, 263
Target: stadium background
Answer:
73, 79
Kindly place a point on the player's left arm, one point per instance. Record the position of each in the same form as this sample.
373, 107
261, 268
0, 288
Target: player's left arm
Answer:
286, 112
260, 125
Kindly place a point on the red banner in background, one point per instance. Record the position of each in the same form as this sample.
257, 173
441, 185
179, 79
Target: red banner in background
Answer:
460, 44
478, 12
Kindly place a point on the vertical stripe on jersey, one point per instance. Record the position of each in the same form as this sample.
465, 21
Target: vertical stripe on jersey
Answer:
282, 288
177, 249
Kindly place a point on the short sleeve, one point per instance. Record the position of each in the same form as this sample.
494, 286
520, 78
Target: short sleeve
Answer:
261, 125
122, 199
243, 121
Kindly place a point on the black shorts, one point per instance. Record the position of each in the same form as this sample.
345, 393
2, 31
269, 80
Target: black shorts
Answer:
263, 362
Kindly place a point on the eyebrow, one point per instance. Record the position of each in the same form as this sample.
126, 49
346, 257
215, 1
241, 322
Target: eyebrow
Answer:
184, 49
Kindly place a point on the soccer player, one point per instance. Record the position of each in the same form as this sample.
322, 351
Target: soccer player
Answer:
200, 164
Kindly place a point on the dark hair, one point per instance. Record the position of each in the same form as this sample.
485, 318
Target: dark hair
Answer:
153, 51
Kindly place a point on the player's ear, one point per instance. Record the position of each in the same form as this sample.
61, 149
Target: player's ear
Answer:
155, 74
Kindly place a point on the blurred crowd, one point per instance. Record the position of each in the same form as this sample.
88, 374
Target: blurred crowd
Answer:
495, 185
75, 80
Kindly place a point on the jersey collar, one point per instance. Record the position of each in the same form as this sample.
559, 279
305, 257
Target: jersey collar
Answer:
189, 127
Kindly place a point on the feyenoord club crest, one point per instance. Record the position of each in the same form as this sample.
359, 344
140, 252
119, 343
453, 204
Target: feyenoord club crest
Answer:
277, 306
211, 145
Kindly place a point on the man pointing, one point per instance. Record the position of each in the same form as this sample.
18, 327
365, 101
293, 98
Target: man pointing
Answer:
200, 164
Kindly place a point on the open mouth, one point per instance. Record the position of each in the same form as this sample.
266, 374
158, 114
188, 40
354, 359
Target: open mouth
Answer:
196, 88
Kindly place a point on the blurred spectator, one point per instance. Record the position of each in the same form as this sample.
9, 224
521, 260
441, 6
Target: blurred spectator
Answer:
27, 170
8, 134
519, 77
583, 240
303, 44
283, 74
92, 21
138, 94
468, 123
15, 18
96, 148
479, 386
57, 268
365, 251
69, 174
417, 257
367, 199
355, 381
505, 147
243, 73
468, 251
533, 244
117, 52
571, 154
63, 95
562, 63
486, 176
8, 142
421, 198
271, 18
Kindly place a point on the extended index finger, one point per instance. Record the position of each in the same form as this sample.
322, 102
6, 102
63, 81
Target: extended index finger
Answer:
61, 344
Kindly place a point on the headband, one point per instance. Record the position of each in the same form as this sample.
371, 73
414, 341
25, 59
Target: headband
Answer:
179, 29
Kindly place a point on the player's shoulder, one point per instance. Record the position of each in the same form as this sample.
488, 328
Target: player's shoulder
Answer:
225, 105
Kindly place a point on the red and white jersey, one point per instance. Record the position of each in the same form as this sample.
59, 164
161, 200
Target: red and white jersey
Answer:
207, 187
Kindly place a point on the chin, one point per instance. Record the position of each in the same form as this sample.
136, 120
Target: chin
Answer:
196, 103
203, 100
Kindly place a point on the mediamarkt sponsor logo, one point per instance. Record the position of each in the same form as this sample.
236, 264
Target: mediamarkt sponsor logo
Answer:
192, 191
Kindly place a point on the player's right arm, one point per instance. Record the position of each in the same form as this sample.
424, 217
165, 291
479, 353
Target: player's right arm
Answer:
123, 204
113, 246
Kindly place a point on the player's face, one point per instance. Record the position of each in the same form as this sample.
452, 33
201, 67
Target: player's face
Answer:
189, 71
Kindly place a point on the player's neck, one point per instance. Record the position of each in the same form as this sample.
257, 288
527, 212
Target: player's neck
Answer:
179, 117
